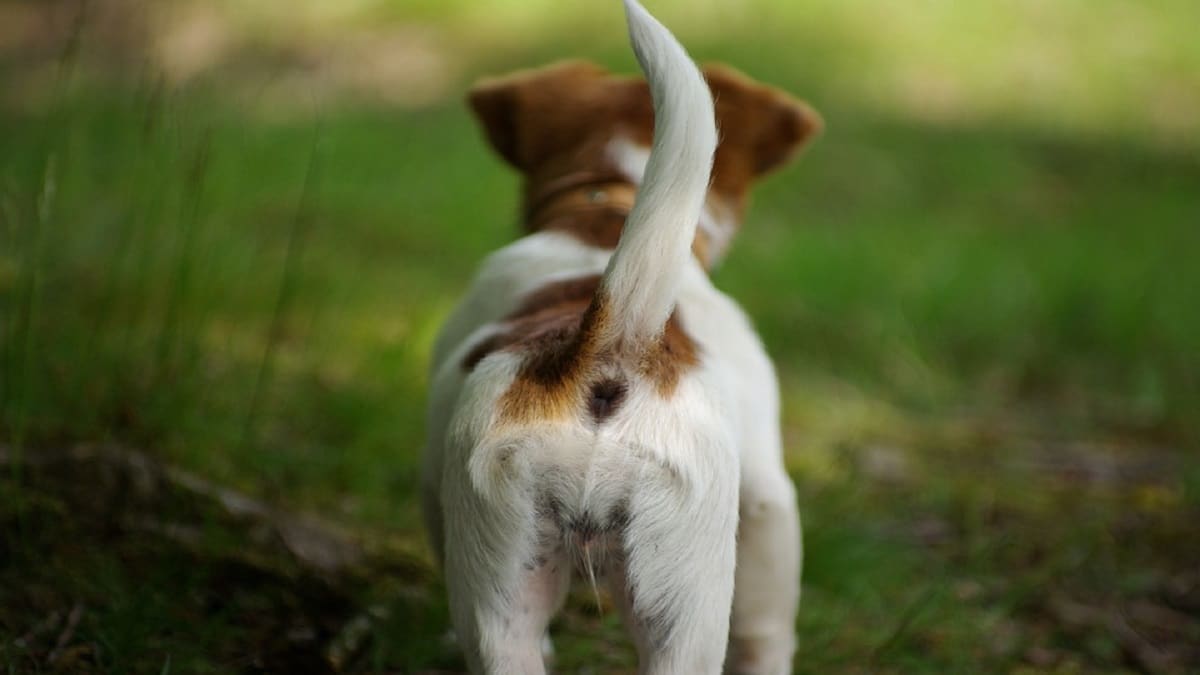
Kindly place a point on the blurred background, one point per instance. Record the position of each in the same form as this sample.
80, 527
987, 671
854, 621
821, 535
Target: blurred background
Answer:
230, 230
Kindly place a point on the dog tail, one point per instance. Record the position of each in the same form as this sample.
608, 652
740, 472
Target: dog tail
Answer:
640, 285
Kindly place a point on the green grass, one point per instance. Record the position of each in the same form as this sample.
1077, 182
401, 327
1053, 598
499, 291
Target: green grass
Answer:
983, 305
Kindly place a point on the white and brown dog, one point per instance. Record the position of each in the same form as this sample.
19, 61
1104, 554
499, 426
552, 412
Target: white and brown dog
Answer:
597, 404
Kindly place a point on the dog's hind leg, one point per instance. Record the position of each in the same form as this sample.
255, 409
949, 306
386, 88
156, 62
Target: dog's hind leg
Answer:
506, 576
673, 581
767, 584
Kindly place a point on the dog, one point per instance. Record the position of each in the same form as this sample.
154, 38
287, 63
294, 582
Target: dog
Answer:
597, 405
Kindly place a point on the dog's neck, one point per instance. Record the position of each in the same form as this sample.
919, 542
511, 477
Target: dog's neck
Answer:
592, 206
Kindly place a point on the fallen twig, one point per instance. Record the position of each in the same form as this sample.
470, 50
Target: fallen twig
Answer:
68, 632
312, 543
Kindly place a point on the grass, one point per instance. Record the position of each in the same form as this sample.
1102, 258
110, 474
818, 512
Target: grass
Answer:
982, 304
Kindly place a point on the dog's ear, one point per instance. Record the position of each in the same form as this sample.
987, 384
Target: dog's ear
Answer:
527, 112
763, 123
494, 103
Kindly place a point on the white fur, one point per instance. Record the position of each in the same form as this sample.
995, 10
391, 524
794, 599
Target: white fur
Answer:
683, 469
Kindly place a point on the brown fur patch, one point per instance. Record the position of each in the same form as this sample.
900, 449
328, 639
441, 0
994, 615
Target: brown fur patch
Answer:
570, 293
553, 330
557, 360
554, 125
674, 355
542, 319
549, 328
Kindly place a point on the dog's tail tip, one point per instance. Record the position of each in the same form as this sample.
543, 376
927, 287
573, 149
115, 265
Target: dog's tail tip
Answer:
636, 13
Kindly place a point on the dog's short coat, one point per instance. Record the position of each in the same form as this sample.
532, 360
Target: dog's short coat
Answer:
597, 405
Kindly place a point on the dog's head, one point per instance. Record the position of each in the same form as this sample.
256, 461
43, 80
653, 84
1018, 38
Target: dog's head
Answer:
577, 119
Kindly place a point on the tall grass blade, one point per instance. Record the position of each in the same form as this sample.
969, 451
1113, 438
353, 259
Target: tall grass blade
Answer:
297, 234
181, 276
